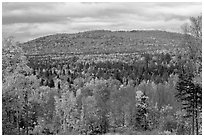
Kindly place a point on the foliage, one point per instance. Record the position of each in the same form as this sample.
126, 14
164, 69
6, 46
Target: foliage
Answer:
102, 41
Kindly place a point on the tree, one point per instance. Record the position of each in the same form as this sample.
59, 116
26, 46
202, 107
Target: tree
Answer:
13, 59
13, 63
66, 111
142, 111
17, 87
190, 95
101, 92
193, 38
193, 43
18, 91
196, 27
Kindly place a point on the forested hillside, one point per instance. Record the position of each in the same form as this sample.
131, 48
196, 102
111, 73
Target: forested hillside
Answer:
104, 83
102, 41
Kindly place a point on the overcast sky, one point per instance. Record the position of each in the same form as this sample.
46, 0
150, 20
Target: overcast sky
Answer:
26, 21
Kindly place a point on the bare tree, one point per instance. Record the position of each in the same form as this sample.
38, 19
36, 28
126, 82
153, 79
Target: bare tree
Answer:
193, 37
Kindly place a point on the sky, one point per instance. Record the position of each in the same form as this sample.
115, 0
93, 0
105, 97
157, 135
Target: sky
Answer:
26, 21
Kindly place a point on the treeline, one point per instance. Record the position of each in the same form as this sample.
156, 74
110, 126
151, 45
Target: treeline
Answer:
150, 67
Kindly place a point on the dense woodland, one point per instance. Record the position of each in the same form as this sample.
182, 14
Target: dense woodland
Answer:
92, 94
103, 42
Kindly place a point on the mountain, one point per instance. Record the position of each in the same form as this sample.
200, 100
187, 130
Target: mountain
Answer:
103, 41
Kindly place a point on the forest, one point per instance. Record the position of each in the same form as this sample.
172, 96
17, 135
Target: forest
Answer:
141, 93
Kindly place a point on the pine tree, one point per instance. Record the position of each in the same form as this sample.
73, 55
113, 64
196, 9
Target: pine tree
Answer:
189, 86
190, 95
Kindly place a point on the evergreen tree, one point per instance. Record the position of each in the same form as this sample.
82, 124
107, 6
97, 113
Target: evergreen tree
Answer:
190, 95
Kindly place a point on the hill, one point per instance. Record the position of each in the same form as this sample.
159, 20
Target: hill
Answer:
103, 41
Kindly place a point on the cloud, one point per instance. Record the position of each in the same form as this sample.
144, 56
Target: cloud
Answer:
30, 20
